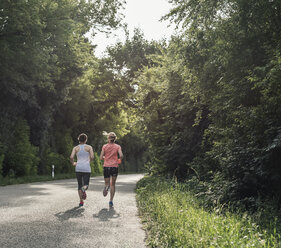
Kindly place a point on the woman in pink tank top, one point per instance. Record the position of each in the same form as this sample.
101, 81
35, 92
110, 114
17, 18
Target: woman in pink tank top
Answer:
109, 154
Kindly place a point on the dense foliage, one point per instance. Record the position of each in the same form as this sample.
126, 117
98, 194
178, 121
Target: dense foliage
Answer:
206, 103
51, 85
211, 103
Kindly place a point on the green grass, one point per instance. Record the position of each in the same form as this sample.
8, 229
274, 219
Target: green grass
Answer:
173, 217
38, 178
31, 179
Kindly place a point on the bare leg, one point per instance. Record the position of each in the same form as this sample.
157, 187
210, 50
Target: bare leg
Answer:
112, 187
107, 182
80, 194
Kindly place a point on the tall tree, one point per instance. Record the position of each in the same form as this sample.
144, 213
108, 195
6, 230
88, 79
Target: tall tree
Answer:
43, 50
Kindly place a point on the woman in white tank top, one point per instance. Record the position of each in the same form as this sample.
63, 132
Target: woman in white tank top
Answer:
84, 154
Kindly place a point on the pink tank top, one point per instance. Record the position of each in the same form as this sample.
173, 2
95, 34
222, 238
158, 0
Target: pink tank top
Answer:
111, 155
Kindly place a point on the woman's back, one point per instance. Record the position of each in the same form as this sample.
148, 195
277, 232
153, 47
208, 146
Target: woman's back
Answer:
83, 160
111, 154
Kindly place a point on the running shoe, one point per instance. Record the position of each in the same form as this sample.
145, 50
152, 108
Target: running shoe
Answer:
81, 204
105, 191
110, 204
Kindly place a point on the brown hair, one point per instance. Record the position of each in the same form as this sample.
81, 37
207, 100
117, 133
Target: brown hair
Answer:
82, 137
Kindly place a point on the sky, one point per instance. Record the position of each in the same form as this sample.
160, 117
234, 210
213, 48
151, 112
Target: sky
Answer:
143, 14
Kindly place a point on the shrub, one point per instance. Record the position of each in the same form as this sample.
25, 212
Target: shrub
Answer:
96, 165
21, 155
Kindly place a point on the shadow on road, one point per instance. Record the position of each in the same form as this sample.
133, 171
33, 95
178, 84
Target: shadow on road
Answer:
20, 195
106, 214
75, 212
97, 184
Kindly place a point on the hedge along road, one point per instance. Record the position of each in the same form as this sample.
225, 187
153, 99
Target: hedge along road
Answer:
46, 214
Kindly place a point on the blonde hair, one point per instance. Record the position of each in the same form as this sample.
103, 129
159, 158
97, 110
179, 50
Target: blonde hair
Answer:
112, 136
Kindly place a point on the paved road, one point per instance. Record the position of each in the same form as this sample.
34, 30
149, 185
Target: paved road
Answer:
46, 215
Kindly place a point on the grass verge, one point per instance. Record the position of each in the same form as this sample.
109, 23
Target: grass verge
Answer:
173, 217
4, 181
31, 179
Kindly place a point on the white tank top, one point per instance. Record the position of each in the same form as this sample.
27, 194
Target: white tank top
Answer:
83, 160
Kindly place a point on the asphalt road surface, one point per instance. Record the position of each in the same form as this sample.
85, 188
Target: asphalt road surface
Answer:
46, 214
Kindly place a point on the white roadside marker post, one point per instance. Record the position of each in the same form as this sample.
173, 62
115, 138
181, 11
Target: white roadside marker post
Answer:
53, 171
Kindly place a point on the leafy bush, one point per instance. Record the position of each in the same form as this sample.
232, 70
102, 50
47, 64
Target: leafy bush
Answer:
21, 156
62, 164
96, 165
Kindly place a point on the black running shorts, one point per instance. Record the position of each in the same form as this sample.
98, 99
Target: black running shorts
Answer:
110, 171
83, 178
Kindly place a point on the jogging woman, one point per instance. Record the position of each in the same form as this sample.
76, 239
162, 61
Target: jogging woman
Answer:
109, 154
84, 154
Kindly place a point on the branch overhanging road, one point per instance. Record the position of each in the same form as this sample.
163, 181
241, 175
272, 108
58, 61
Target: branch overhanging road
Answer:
46, 214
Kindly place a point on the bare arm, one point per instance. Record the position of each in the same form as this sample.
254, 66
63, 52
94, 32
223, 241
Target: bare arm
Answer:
101, 154
120, 153
72, 156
